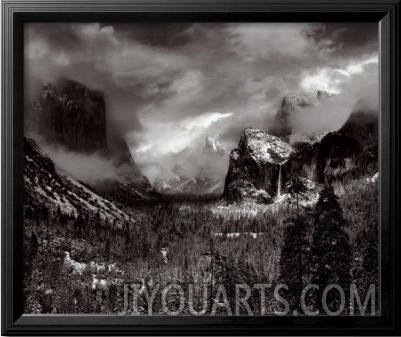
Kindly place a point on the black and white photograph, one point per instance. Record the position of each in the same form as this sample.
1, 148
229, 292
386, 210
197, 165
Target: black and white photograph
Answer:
201, 168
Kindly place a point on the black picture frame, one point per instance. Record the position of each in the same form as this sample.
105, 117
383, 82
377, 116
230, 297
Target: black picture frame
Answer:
16, 13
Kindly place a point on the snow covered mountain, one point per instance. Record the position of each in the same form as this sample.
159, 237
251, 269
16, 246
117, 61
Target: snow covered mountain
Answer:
255, 166
214, 146
48, 190
262, 164
205, 180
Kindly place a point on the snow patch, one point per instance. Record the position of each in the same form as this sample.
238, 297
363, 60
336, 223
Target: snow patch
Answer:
265, 148
373, 178
237, 234
164, 252
77, 266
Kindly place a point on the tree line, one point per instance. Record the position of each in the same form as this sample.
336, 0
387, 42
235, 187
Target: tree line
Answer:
317, 250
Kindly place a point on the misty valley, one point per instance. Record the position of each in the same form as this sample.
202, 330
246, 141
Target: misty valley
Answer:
273, 210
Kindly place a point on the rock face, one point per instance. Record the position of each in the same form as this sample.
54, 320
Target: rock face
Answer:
261, 166
127, 189
347, 153
255, 167
72, 115
213, 146
129, 186
282, 124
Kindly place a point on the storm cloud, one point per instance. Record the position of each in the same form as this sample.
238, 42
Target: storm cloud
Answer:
168, 86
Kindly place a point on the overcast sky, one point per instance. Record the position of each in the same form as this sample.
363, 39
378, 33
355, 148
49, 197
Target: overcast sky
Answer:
168, 86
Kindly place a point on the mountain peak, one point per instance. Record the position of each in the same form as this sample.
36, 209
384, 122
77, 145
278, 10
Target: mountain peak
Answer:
123, 156
321, 94
255, 166
282, 123
213, 145
70, 114
264, 147
292, 100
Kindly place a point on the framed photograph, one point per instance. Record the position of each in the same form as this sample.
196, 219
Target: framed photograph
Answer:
200, 167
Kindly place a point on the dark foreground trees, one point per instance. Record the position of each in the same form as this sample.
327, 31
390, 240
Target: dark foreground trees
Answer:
246, 249
324, 260
331, 251
294, 259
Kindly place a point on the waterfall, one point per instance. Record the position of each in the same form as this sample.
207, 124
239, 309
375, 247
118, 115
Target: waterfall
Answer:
279, 182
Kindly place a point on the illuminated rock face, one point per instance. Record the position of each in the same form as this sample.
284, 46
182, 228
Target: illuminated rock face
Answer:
262, 164
254, 167
213, 146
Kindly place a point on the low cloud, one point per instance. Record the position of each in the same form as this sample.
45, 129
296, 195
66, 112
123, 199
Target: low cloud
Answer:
333, 80
168, 86
167, 144
90, 168
356, 86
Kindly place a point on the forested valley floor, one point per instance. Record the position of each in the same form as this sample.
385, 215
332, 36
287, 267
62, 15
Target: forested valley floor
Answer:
79, 264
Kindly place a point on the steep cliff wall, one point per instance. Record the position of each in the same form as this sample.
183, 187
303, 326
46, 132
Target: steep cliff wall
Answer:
70, 114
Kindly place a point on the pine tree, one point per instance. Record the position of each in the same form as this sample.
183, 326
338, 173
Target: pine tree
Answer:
294, 259
365, 264
296, 188
34, 245
331, 250
107, 249
31, 253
